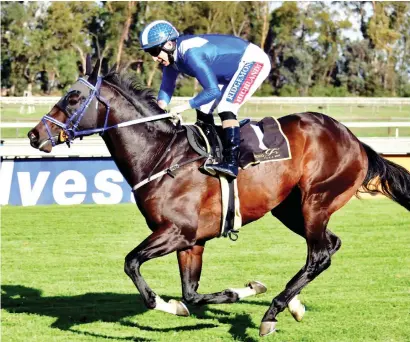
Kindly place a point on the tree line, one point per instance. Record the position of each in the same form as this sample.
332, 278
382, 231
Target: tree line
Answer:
44, 44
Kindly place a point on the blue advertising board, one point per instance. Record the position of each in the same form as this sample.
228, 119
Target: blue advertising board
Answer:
62, 181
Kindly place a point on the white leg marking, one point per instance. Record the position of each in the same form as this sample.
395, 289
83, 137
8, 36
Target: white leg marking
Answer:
244, 292
253, 288
296, 308
164, 306
173, 307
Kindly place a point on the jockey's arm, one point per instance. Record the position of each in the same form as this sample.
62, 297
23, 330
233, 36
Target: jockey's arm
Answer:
166, 91
197, 61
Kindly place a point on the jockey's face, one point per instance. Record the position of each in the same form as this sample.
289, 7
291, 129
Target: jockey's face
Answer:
163, 57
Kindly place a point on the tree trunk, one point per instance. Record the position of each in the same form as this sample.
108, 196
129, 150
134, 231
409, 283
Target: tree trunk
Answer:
51, 80
125, 31
82, 57
30, 79
264, 33
151, 75
237, 31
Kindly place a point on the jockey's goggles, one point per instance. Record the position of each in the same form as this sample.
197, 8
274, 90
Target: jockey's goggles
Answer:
154, 51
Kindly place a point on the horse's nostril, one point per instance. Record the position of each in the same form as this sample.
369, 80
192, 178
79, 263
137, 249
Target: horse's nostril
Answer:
32, 136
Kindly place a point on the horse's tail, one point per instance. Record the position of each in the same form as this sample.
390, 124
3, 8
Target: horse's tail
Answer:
387, 178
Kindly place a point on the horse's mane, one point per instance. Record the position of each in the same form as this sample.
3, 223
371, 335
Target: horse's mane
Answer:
133, 89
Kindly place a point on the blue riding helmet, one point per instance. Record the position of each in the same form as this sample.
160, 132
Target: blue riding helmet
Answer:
157, 33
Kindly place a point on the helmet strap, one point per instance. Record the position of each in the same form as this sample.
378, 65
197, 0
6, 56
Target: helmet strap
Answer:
170, 52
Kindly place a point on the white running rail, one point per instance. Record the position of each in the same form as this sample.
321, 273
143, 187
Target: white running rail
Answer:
352, 124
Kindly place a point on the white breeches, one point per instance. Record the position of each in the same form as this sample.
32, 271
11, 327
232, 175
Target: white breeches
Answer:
253, 69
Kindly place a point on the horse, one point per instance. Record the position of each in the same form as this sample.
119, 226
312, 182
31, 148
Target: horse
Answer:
329, 166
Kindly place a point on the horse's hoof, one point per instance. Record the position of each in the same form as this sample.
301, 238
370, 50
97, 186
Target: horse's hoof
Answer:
267, 328
258, 287
296, 308
180, 308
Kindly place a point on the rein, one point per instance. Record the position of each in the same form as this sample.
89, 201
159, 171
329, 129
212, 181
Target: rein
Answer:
70, 127
170, 170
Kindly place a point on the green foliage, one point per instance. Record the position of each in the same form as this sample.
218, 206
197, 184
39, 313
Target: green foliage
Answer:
306, 42
265, 89
329, 91
185, 87
405, 90
297, 69
288, 90
68, 70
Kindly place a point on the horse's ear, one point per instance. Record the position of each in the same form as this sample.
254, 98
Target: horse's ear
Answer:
96, 70
88, 67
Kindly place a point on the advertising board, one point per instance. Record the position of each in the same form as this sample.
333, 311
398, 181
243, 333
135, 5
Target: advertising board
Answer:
62, 181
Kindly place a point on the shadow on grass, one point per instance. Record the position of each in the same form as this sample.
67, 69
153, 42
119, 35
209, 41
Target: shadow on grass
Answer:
71, 311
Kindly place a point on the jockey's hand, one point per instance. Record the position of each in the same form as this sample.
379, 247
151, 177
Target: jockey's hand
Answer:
162, 104
179, 109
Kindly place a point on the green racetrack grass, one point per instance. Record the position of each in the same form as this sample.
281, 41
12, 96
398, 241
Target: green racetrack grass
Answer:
63, 279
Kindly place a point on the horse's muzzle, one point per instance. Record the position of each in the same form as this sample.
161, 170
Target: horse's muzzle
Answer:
43, 145
33, 137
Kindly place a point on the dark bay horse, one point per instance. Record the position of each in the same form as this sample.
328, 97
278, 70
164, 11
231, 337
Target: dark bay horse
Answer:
328, 166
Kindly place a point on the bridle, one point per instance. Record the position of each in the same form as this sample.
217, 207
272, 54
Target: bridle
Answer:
71, 131
70, 126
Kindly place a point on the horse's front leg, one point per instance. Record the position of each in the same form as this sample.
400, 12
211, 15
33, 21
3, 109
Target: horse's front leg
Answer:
163, 241
190, 267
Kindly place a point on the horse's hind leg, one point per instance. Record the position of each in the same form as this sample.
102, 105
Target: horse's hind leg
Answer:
289, 212
163, 241
190, 267
333, 242
318, 259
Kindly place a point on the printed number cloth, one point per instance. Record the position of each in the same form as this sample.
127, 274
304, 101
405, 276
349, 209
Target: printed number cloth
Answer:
263, 141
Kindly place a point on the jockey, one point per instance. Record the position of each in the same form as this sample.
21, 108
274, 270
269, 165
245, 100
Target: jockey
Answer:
228, 68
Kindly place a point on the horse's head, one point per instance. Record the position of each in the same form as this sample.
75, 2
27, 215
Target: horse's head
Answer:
76, 114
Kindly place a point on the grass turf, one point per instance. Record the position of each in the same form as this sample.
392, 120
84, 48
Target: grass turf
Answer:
11, 113
63, 280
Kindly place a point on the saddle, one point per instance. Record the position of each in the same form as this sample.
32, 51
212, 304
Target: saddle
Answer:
261, 141
205, 139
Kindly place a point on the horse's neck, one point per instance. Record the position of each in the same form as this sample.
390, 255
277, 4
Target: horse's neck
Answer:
136, 149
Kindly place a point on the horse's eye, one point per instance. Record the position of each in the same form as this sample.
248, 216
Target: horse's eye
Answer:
75, 99
72, 104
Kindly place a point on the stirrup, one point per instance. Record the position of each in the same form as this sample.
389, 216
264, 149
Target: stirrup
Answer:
225, 170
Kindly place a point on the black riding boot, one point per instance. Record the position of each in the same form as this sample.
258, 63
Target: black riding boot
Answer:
231, 141
203, 120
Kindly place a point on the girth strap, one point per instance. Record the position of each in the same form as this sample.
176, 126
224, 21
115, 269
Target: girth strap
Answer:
168, 171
